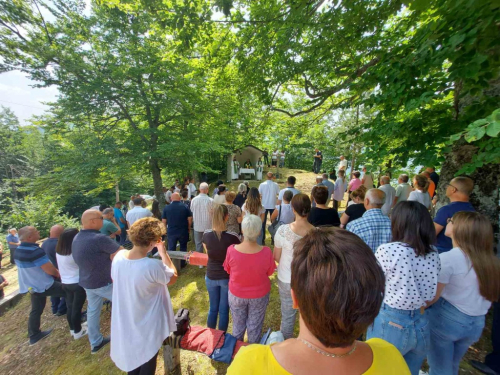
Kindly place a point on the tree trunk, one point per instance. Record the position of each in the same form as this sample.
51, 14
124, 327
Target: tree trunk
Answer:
157, 181
486, 182
117, 191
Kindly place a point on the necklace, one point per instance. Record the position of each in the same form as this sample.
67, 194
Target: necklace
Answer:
322, 352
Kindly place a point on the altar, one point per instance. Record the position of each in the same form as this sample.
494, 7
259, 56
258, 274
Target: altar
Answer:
247, 173
237, 159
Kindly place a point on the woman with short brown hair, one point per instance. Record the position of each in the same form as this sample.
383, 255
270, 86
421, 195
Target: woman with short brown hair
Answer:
142, 315
338, 288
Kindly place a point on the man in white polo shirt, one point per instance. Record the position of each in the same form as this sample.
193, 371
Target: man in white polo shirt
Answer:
138, 212
269, 191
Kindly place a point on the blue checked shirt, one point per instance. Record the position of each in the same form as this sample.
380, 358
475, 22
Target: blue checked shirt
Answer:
373, 227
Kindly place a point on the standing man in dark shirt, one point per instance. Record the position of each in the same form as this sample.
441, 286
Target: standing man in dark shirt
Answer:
49, 246
318, 160
266, 158
178, 219
458, 191
36, 275
93, 253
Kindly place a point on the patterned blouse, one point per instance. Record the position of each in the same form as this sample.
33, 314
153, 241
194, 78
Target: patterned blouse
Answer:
234, 214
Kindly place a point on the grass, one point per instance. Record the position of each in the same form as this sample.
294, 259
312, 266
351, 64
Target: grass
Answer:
60, 354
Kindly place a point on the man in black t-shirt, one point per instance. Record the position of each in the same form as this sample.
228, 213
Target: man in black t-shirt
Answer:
318, 160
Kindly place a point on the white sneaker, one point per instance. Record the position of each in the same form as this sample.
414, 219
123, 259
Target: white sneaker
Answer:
80, 334
72, 332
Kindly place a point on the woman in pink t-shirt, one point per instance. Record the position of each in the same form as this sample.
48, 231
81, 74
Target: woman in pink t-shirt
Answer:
249, 266
355, 182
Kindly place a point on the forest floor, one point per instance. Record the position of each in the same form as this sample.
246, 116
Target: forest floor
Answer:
60, 354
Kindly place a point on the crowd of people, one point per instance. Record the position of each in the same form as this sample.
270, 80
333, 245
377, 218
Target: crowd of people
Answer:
418, 287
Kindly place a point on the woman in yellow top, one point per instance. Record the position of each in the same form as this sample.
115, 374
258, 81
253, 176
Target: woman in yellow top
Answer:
338, 288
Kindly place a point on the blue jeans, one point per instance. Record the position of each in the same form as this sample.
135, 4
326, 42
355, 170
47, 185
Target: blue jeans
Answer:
407, 330
452, 332
95, 299
219, 305
58, 305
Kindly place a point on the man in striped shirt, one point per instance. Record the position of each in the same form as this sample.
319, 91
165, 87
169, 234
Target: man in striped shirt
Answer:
36, 275
201, 207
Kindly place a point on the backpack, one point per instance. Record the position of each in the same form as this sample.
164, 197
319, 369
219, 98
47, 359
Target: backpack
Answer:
182, 322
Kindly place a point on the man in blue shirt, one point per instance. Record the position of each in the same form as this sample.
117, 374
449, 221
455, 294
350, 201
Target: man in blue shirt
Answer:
120, 219
49, 246
458, 191
93, 252
36, 275
13, 242
373, 227
177, 218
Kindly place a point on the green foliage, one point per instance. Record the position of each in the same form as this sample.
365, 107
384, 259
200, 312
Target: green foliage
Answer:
40, 213
483, 133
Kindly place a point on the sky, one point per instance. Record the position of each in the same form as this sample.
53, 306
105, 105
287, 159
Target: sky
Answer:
17, 94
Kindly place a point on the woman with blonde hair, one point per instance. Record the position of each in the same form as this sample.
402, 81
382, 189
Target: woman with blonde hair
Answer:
467, 284
421, 194
140, 297
253, 206
216, 241
235, 215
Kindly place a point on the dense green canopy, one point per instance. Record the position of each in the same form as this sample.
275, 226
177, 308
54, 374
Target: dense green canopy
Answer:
150, 90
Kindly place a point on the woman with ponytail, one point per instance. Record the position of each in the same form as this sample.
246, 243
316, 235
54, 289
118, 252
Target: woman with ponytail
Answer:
421, 194
468, 282
216, 241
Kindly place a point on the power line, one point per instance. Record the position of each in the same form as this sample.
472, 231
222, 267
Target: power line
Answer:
24, 105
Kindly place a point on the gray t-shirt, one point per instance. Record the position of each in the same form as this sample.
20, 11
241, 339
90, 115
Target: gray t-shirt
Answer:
91, 251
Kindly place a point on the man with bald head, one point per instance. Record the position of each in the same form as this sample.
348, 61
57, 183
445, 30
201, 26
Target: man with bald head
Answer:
458, 192
93, 253
36, 275
49, 246
373, 227
177, 218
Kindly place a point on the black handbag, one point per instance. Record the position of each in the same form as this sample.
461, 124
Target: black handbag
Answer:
273, 228
182, 321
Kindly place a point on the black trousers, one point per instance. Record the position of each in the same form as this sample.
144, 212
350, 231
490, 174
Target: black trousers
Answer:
317, 165
38, 301
75, 298
12, 251
149, 368
264, 224
266, 160
493, 359
336, 204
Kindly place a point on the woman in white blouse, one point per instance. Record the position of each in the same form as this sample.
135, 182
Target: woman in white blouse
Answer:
420, 194
253, 206
411, 267
70, 276
142, 315
285, 238
469, 281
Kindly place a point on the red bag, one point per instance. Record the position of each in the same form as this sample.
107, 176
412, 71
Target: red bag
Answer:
198, 259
